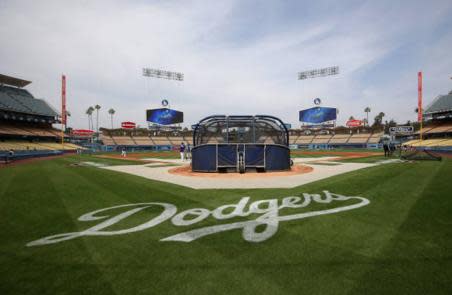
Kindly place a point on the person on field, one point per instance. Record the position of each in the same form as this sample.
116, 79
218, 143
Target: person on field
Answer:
182, 151
386, 149
392, 148
188, 152
123, 153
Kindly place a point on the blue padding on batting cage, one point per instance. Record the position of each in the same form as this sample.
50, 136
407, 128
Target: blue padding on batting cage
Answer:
277, 158
204, 158
227, 155
254, 155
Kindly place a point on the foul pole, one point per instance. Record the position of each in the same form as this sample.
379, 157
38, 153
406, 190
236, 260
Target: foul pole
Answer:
63, 108
419, 102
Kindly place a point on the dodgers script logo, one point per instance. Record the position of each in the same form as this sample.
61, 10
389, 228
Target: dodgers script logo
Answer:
269, 209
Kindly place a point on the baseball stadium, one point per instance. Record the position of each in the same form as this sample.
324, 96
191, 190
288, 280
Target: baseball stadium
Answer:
206, 199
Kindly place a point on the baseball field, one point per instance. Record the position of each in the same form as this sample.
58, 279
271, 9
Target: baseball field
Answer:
71, 227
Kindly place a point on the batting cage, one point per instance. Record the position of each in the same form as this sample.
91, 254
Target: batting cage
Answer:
237, 143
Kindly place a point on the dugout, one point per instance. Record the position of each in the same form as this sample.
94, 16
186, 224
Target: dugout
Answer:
240, 143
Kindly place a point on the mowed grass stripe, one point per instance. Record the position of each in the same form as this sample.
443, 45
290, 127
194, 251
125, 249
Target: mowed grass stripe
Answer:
334, 254
27, 205
421, 248
357, 256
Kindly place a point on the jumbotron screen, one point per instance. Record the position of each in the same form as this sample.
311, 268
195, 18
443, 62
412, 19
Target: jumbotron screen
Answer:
318, 115
164, 116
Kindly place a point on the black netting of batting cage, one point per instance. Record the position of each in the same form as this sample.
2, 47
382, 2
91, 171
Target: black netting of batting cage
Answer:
240, 129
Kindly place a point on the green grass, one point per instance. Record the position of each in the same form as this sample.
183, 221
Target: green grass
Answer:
106, 161
326, 154
163, 165
399, 244
371, 159
325, 163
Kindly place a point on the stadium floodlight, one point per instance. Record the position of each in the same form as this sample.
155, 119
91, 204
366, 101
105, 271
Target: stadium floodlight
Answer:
318, 73
156, 73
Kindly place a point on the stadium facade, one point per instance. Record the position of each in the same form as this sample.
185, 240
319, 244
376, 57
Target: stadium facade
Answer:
26, 122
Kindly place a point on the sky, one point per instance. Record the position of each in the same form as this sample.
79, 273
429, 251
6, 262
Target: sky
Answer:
238, 57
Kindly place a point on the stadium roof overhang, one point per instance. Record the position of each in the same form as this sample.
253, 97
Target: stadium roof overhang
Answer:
8, 80
441, 104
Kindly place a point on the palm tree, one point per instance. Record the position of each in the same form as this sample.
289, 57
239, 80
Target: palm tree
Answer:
89, 112
111, 112
68, 114
367, 111
97, 107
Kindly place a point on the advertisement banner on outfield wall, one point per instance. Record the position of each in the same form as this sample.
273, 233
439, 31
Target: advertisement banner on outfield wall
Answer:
317, 115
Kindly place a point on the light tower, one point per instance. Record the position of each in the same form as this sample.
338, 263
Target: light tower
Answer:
162, 74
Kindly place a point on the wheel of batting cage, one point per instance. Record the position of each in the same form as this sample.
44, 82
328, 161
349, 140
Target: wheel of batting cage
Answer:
241, 164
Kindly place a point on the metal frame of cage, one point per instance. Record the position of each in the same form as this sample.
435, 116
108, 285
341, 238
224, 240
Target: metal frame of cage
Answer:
204, 152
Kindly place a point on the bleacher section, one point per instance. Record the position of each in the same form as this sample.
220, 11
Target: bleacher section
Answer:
162, 140
28, 131
439, 129
339, 139
322, 139
123, 140
374, 138
300, 140
143, 140
26, 122
107, 140
441, 142
359, 138
214, 140
304, 139
40, 146
176, 140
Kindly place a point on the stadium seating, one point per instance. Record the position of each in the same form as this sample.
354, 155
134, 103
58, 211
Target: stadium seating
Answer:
304, 139
29, 131
359, 138
176, 140
429, 142
161, 140
322, 139
213, 140
340, 138
293, 139
18, 145
375, 138
12, 130
425, 130
439, 129
143, 140
107, 140
445, 143
123, 140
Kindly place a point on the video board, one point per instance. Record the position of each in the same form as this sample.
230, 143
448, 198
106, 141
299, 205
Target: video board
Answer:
318, 115
164, 116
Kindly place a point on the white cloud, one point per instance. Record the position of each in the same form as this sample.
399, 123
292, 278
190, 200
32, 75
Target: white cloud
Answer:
102, 47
